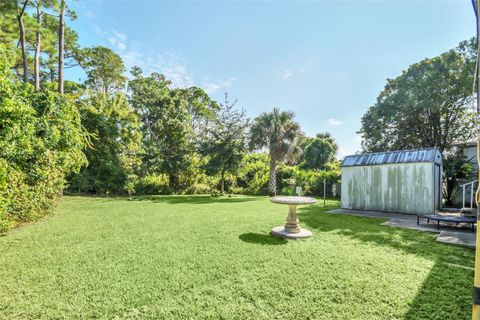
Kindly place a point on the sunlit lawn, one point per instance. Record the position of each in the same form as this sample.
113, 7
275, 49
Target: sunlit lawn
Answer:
200, 257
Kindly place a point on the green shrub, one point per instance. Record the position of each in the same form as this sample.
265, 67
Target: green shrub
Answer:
153, 184
114, 150
199, 188
287, 178
41, 141
312, 182
253, 174
252, 178
236, 190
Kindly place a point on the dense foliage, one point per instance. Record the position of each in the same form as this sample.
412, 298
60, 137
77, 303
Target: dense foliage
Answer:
318, 153
456, 167
41, 141
114, 145
428, 105
254, 173
170, 124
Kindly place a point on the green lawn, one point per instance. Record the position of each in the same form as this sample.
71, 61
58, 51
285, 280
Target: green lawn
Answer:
183, 257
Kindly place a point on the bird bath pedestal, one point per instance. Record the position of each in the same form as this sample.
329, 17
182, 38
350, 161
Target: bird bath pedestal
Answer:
291, 229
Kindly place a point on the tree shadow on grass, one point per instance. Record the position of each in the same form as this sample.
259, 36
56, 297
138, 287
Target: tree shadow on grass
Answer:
445, 293
200, 199
263, 239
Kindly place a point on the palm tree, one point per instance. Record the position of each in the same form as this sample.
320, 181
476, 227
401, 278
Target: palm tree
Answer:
328, 137
278, 132
318, 153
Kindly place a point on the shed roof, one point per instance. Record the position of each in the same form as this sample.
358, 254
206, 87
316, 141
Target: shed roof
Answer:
390, 157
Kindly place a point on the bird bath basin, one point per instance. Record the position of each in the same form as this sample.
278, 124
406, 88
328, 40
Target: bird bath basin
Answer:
291, 229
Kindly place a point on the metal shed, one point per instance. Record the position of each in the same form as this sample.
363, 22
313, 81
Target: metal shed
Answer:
407, 181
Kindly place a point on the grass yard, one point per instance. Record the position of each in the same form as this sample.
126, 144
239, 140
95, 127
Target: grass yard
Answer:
196, 257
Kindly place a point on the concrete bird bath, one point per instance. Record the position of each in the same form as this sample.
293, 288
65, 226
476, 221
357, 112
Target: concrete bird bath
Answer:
291, 229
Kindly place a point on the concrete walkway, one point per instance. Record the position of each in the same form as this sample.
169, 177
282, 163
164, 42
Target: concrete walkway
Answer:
448, 233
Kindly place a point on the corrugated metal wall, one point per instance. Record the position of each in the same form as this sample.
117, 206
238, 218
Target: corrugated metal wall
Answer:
402, 187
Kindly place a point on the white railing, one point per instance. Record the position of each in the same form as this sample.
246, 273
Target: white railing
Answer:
472, 192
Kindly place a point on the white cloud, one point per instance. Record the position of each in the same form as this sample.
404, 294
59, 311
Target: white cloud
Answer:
334, 122
118, 40
211, 87
98, 31
90, 14
166, 63
171, 65
286, 74
174, 68
131, 57
121, 36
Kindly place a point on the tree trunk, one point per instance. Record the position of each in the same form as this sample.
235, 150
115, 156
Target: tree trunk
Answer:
61, 31
173, 181
273, 178
222, 183
23, 44
37, 48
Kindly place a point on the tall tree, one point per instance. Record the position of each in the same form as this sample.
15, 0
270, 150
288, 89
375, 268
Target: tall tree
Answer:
278, 132
8, 22
41, 38
61, 45
104, 69
327, 136
318, 153
428, 105
50, 44
38, 43
225, 144
22, 39
202, 110
168, 135
114, 151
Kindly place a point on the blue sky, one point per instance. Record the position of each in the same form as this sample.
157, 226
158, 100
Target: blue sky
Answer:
325, 60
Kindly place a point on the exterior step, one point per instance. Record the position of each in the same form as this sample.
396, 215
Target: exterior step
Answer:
451, 209
469, 210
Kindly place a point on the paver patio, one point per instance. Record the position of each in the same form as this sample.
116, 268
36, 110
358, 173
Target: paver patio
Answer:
460, 235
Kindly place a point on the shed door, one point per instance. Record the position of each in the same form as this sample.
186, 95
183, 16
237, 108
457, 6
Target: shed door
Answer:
437, 187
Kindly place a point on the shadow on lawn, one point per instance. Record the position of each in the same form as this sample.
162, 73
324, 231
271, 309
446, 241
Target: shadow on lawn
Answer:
263, 239
445, 293
201, 199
